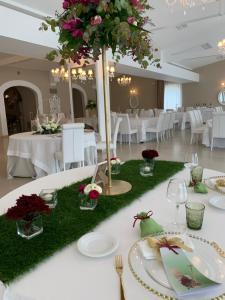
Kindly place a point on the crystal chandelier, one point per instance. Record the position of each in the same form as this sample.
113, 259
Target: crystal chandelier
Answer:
124, 80
82, 75
221, 46
60, 74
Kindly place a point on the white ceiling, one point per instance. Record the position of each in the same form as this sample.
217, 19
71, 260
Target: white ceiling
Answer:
180, 38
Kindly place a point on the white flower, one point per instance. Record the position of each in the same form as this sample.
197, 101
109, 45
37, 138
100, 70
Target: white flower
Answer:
135, 23
48, 127
91, 187
115, 161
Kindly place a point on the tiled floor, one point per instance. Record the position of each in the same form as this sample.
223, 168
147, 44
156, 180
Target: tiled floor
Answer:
177, 148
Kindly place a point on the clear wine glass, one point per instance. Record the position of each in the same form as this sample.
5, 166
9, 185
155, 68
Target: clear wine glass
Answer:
194, 158
177, 194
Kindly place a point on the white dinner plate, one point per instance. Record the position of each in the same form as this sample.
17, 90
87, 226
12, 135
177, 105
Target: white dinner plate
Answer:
151, 274
218, 201
96, 244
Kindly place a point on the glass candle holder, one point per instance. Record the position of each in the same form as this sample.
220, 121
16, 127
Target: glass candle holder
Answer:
115, 169
194, 215
50, 197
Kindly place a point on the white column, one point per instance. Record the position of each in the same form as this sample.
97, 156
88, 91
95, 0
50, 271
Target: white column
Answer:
100, 98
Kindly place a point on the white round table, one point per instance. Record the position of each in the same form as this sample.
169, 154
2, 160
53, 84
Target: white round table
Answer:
32, 155
69, 275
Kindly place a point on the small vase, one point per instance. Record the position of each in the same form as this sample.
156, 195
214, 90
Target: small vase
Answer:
29, 229
147, 168
50, 197
88, 204
115, 169
196, 175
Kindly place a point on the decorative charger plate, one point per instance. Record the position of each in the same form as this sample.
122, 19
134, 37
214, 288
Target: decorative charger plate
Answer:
151, 275
212, 183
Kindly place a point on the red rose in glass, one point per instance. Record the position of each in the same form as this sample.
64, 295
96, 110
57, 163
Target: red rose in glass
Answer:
149, 154
27, 207
93, 195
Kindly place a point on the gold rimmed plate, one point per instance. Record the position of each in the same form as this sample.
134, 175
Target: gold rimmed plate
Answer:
151, 275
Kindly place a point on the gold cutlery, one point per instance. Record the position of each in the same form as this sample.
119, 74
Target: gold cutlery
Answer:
119, 270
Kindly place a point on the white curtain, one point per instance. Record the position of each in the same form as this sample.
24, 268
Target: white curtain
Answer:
172, 95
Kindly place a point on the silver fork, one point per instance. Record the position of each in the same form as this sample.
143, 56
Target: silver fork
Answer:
119, 270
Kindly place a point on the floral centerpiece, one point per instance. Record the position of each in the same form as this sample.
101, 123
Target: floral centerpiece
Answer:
89, 195
146, 169
85, 27
27, 212
115, 165
48, 128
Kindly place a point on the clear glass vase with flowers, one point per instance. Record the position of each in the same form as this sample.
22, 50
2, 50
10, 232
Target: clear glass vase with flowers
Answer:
147, 168
28, 215
89, 195
115, 165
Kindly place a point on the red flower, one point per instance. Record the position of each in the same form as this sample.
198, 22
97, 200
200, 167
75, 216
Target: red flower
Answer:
130, 20
27, 207
81, 188
77, 33
93, 195
149, 154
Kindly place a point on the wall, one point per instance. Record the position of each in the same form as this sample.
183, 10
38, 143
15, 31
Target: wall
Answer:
147, 93
206, 91
42, 80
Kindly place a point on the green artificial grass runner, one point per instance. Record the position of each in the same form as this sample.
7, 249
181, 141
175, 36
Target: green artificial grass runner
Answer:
67, 222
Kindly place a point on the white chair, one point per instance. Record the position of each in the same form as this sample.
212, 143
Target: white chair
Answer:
113, 118
72, 145
125, 128
102, 145
172, 123
149, 113
196, 128
218, 127
158, 130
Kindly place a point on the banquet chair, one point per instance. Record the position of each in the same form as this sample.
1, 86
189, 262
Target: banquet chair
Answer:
113, 145
158, 130
196, 127
72, 145
125, 128
172, 123
113, 118
218, 127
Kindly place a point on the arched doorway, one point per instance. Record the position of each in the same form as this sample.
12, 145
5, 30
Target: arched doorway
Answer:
20, 108
79, 101
17, 83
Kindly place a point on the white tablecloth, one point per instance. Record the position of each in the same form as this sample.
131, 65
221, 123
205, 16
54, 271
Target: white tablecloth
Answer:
141, 124
68, 275
32, 155
207, 135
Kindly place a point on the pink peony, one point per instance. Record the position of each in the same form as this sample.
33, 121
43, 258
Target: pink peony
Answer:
96, 20
130, 20
93, 194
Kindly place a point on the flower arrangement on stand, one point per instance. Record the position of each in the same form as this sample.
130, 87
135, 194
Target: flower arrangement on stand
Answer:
89, 195
28, 215
147, 168
86, 29
115, 165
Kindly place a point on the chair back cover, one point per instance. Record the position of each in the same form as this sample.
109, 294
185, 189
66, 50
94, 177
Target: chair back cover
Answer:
115, 135
218, 125
125, 127
73, 142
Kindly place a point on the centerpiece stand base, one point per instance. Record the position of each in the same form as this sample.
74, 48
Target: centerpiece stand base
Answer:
118, 187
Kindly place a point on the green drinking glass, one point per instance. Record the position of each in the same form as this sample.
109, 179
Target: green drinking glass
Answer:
194, 215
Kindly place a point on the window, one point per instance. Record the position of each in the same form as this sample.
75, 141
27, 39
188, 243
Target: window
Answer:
172, 95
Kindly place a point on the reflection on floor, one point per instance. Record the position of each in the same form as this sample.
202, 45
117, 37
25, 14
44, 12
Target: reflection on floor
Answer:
178, 148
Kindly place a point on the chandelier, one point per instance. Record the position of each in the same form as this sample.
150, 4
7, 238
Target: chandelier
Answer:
82, 75
187, 3
221, 46
124, 80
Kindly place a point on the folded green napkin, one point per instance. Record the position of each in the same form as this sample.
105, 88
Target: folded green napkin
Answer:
200, 187
148, 225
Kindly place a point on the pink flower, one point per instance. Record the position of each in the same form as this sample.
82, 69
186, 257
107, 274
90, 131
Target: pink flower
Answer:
130, 20
71, 24
96, 20
66, 4
81, 188
77, 33
93, 194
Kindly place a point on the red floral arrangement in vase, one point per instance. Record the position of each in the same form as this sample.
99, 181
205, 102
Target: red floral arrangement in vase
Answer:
149, 154
89, 195
27, 208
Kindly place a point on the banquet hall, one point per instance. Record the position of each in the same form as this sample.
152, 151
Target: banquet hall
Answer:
112, 149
